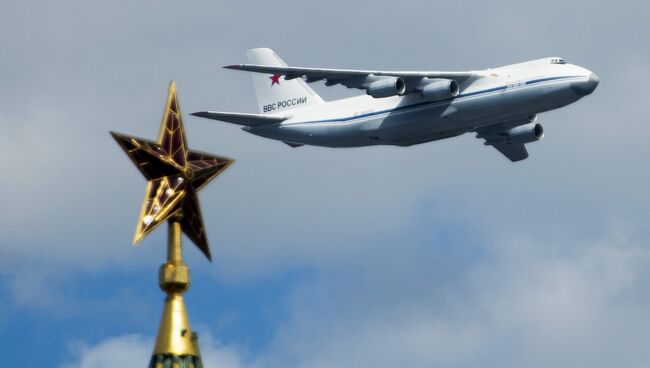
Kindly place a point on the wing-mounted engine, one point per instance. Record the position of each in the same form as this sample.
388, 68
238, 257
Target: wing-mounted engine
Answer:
511, 133
379, 87
510, 137
526, 133
387, 86
435, 88
375, 86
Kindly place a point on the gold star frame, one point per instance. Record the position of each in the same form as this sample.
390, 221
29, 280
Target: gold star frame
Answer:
174, 173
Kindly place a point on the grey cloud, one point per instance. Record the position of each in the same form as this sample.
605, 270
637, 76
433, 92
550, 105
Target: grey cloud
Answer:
77, 85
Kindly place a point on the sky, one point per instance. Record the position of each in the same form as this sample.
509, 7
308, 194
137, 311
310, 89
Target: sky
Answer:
443, 254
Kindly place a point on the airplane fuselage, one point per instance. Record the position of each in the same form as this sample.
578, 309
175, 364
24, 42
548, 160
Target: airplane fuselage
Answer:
517, 91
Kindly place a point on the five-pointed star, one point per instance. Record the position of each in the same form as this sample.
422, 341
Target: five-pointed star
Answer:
275, 79
174, 174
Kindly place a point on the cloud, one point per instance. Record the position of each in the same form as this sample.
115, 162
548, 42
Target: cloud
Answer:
122, 351
523, 303
134, 351
500, 302
279, 208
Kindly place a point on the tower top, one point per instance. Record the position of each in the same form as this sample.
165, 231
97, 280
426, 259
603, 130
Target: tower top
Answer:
174, 176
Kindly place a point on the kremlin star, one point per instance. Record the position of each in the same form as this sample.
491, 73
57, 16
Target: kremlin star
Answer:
174, 173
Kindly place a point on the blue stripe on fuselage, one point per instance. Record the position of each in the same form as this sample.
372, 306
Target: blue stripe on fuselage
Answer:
420, 104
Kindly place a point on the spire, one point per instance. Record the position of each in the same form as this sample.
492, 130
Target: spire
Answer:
174, 176
175, 342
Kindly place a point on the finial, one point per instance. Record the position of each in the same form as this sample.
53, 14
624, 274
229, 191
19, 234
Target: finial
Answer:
174, 176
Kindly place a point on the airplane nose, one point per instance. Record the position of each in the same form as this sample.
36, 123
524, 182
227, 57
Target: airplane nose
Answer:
586, 87
594, 81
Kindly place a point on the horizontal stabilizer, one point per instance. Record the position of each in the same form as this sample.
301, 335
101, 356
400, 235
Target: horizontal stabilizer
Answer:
293, 145
251, 120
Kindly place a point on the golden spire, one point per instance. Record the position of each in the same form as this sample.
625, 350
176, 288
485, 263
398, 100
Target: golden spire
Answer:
174, 176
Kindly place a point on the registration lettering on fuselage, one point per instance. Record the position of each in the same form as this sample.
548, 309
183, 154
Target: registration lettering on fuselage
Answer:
285, 103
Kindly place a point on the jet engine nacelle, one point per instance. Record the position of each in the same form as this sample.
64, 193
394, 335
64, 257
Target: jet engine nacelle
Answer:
526, 133
386, 87
438, 89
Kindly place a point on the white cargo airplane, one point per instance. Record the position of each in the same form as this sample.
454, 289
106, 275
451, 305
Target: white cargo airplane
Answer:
407, 108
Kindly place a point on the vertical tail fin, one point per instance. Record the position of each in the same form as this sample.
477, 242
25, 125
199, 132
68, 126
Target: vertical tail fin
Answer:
274, 93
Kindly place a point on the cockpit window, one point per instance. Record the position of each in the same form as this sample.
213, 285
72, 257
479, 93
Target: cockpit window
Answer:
558, 61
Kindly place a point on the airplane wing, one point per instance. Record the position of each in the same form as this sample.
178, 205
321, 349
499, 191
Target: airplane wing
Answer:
496, 135
352, 78
251, 120
514, 151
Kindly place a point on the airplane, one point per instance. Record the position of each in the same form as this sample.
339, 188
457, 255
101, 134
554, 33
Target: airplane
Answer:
405, 108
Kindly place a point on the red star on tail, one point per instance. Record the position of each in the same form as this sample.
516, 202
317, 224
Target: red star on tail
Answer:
275, 79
